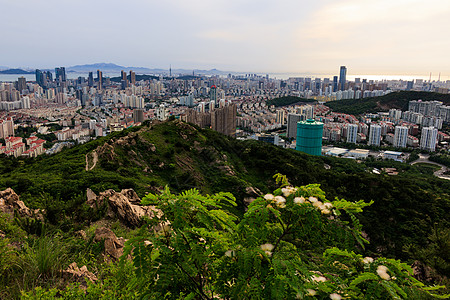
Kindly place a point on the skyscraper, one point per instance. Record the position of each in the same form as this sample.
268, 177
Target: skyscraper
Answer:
428, 138
100, 79
213, 95
375, 135
91, 79
60, 74
400, 136
39, 77
132, 78
292, 119
342, 78
224, 120
21, 84
352, 133
335, 83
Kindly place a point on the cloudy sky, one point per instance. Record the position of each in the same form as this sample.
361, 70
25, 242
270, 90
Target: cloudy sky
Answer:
298, 36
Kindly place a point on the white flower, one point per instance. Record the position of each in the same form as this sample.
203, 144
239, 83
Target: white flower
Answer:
299, 200
328, 205
335, 296
267, 247
326, 211
312, 199
287, 191
311, 292
368, 260
319, 278
268, 197
269, 253
382, 272
382, 268
230, 253
317, 204
281, 202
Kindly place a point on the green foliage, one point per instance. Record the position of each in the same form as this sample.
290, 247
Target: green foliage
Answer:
184, 157
288, 244
397, 100
288, 100
443, 159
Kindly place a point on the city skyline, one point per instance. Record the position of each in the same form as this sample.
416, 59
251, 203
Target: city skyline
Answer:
386, 37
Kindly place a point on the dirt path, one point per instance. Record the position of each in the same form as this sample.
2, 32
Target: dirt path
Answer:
94, 160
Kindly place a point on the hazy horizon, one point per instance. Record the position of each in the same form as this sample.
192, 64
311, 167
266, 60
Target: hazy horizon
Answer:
386, 37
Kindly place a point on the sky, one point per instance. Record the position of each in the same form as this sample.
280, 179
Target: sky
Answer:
286, 36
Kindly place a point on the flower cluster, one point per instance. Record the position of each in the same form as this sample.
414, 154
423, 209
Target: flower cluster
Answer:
267, 248
335, 296
367, 260
280, 201
382, 272
287, 191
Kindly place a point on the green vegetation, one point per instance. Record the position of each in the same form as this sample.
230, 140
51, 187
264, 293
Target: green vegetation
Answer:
406, 208
397, 100
291, 244
441, 158
288, 100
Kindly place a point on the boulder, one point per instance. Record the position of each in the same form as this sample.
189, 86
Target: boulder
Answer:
113, 244
10, 203
125, 206
80, 275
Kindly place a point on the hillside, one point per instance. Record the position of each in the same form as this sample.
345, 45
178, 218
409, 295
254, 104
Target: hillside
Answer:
407, 207
288, 100
398, 100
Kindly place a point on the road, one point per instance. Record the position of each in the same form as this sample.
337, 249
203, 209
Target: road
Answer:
423, 158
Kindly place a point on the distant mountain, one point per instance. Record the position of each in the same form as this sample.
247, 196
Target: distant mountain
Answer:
113, 68
16, 71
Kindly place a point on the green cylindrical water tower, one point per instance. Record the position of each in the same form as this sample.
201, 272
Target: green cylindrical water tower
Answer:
309, 137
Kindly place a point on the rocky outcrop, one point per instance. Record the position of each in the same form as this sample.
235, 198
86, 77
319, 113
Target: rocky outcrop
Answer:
10, 203
124, 205
113, 244
252, 193
80, 275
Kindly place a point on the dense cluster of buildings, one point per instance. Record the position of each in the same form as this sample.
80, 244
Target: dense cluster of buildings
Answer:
234, 105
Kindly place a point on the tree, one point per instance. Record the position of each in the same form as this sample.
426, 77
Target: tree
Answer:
293, 243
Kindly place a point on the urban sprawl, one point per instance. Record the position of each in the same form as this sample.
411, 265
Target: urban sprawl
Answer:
53, 112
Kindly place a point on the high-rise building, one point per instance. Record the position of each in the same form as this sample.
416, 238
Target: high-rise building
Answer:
342, 78
335, 83
60, 74
132, 78
21, 84
292, 119
428, 138
309, 137
124, 79
40, 77
99, 79
213, 95
138, 115
6, 128
91, 80
375, 135
224, 120
400, 136
280, 116
352, 133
